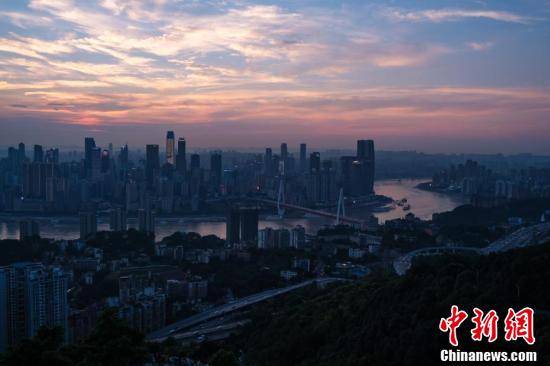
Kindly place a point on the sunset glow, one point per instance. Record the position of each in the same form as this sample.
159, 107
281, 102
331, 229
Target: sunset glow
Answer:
430, 75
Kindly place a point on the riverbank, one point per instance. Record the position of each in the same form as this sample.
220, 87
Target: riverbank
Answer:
423, 205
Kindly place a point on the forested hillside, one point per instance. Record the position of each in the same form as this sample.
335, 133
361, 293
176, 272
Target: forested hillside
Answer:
394, 320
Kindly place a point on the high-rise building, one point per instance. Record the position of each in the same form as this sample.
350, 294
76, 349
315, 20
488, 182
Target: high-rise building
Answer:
170, 148
95, 163
303, 157
31, 296
233, 227
28, 228
88, 224
152, 164
298, 237
242, 226
365, 155
268, 162
181, 159
365, 149
195, 161
249, 225
284, 151
146, 220
38, 154
118, 219
52, 156
89, 144
216, 171
22, 153
314, 162
123, 159
33, 179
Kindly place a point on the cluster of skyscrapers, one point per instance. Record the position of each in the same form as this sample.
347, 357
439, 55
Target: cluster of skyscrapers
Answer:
130, 184
487, 187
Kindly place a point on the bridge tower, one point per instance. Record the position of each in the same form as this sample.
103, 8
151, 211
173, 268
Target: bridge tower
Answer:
281, 198
340, 209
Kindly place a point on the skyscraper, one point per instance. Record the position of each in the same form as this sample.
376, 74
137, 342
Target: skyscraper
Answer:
249, 225
152, 164
233, 226
52, 156
365, 149
181, 159
22, 152
242, 226
88, 224
28, 228
303, 157
89, 144
284, 151
216, 171
118, 219
38, 154
195, 161
314, 162
170, 148
123, 157
268, 162
146, 221
95, 163
365, 155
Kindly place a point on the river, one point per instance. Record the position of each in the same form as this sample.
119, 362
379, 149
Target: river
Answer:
423, 205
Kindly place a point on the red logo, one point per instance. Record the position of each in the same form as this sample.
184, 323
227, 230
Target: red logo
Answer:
485, 326
519, 325
516, 325
452, 323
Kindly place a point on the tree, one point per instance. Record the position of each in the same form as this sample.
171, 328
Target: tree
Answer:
41, 350
223, 358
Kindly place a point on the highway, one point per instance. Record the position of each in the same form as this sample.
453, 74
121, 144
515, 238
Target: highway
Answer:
172, 329
526, 236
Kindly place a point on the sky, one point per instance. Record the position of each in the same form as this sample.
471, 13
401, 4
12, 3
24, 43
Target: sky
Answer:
433, 76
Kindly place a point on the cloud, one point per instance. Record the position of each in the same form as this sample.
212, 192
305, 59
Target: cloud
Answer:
480, 46
190, 62
445, 15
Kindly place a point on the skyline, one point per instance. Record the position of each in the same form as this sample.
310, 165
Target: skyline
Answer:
449, 77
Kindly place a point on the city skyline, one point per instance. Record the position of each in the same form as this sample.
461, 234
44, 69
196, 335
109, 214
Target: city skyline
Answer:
435, 77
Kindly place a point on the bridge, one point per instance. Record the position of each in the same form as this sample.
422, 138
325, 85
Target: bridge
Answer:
402, 264
219, 311
526, 236
330, 215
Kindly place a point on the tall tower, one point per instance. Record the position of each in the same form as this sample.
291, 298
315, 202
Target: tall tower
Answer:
268, 162
89, 145
284, 151
88, 224
365, 155
303, 158
152, 164
38, 154
146, 221
216, 171
170, 148
181, 159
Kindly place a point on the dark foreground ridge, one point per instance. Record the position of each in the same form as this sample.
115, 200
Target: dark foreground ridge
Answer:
394, 321
382, 320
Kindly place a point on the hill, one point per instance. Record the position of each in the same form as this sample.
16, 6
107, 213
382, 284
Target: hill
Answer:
387, 320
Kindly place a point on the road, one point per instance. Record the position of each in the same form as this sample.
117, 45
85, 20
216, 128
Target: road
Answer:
172, 329
526, 236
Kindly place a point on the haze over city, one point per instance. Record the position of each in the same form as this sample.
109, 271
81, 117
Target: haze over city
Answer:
432, 76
